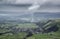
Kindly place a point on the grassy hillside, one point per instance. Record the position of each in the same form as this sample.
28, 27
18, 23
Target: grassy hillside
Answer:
21, 35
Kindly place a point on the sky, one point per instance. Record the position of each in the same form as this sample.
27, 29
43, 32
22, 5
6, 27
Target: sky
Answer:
29, 1
47, 6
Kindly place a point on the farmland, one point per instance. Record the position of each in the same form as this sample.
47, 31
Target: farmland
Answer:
16, 33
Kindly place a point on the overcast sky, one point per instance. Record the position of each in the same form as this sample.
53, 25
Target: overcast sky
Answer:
52, 5
29, 1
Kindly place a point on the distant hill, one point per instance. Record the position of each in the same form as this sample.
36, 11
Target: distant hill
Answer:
27, 17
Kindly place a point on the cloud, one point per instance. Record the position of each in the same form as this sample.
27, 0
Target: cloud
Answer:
28, 1
49, 6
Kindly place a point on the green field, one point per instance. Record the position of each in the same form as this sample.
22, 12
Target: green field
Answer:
21, 35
